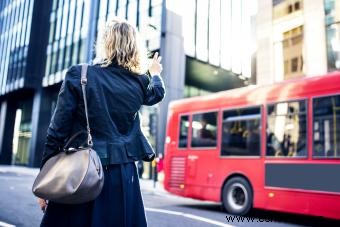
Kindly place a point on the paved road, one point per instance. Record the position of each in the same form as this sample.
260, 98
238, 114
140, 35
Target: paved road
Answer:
167, 210
18, 207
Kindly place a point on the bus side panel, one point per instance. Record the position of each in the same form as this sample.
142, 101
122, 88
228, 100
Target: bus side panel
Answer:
307, 188
201, 180
207, 173
303, 202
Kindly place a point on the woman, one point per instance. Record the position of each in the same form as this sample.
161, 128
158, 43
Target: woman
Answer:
116, 90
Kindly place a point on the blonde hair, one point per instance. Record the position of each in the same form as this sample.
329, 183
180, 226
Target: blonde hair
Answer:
121, 43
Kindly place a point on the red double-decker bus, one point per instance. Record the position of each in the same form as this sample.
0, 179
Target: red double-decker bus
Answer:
274, 147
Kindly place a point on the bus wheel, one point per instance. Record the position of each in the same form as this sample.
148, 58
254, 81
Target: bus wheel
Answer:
237, 197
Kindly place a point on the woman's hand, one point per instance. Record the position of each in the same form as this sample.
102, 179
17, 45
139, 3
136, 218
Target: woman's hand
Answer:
42, 204
155, 66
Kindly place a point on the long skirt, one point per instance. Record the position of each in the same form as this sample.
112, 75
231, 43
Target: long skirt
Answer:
119, 204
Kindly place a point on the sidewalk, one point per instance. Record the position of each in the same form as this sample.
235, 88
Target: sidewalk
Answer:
151, 186
21, 170
145, 184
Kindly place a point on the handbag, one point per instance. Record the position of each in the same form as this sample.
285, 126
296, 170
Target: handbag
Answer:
75, 175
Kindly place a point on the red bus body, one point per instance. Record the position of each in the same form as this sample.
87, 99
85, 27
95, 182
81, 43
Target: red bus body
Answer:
201, 173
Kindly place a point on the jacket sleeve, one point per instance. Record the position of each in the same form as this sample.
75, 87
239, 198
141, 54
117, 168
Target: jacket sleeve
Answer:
60, 126
155, 91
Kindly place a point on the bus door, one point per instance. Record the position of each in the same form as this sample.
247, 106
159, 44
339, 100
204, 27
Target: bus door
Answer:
201, 158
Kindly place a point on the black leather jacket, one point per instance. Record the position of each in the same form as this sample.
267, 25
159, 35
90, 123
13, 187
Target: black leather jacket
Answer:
114, 97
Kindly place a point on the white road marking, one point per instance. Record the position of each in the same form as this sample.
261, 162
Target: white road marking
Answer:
4, 224
188, 216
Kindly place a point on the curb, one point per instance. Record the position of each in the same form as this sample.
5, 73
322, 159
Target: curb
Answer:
19, 170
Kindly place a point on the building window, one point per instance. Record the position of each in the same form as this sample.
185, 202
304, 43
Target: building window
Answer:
241, 130
297, 6
290, 9
122, 8
202, 30
286, 67
191, 91
183, 131
204, 131
286, 129
332, 34
294, 65
326, 126
283, 8
292, 45
189, 23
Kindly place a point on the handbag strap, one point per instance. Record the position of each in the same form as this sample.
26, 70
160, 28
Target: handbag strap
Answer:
83, 82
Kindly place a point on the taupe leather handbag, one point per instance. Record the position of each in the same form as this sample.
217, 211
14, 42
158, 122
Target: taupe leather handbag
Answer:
74, 176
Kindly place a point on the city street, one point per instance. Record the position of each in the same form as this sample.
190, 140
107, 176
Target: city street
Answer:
18, 207
232, 100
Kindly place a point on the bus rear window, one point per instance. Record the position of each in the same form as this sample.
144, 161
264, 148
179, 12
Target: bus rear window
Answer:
241, 132
326, 126
204, 127
183, 131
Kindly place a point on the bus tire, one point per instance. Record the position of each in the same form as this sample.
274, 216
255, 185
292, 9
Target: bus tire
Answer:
237, 196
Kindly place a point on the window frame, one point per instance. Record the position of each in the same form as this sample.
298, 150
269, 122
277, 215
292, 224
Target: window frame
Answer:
217, 129
312, 127
306, 99
261, 132
178, 130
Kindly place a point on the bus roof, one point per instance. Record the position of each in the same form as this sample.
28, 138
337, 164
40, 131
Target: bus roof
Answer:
256, 95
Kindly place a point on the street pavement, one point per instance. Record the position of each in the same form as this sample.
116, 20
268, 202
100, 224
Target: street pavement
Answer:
18, 207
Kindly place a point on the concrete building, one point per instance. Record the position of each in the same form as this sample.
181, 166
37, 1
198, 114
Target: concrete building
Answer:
297, 38
206, 45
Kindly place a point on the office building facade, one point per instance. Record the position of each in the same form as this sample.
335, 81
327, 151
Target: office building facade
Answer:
297, 38
198, 39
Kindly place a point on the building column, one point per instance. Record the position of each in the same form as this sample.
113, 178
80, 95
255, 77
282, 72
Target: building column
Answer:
173, 60
315, 57
264, 62
7, 120
41, 115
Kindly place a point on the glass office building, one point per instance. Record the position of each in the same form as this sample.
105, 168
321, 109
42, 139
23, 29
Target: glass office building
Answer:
22, 43
207, 46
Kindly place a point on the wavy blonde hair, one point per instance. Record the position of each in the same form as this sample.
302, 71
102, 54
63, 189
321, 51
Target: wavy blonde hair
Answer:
121, 43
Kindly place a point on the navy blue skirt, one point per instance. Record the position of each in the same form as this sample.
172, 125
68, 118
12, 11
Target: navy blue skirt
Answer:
119, 204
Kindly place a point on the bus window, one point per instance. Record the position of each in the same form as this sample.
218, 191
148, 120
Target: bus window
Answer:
183, 131
204, 127
326, 126
286, 129
241, 131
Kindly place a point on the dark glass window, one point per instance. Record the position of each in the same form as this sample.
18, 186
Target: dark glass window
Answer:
82, 53
297, 6
68, 57
241, 132
204, 127
183, 131
61, 59
294, 65
326, 126
286, 129
290, 8
75, 52
48, 65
